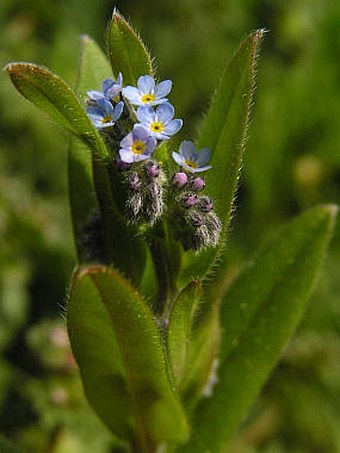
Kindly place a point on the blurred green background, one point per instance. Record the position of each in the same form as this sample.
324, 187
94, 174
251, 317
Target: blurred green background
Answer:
292, 163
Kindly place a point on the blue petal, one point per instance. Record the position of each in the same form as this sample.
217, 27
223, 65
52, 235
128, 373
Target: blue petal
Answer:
203, 156
177, 158
127, 141
187, 149
146, 84
119, 79
95, 95
103, 125
140, 133
107, 84
105, 106
165, 112
151, 145
173, 127
118, 110
146, 114
163, 88
126, 156
200, 169
132, 94
94, 112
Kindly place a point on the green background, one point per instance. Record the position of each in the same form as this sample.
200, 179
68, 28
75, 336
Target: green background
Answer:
292, 162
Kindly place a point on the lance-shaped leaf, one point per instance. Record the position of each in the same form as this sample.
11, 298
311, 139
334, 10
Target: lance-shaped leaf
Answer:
52, 95
126, 50
192, 341
224, 132
122, 348
93, 69
181, 323
259, 314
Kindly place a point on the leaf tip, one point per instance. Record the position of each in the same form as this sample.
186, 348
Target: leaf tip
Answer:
116, 16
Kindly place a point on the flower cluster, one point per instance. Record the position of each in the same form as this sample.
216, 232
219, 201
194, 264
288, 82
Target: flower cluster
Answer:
134, 121
197, 226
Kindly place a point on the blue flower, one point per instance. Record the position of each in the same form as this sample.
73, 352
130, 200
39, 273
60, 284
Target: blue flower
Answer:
103, 114
110, 89
147, 93
191, 159
137, 145
159, 122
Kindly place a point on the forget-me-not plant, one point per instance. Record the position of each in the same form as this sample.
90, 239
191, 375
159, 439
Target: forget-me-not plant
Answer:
173, 341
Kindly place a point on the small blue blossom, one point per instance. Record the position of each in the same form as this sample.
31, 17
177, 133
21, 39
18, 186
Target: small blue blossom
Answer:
103, 114
110, 89
159, 122
147, 93
137, 145
191, 159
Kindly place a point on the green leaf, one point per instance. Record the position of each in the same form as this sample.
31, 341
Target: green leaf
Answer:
93, 69
97, 353
180, 327
259, 313
193, 337
81, 191
52, 95
126, 51
224, 132
118, 347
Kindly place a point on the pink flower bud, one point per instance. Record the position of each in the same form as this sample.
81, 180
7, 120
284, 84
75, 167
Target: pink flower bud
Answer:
180, 179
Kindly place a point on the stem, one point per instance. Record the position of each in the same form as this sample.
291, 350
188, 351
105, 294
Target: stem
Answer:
166, 258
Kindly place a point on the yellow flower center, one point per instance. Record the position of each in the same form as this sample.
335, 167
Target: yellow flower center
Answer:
147, 98
157, 126
138, 147
190, 163
106, 119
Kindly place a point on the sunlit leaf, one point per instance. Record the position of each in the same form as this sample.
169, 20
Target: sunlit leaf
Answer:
135, 368
126, 51
224, 131
52, 95
259, 314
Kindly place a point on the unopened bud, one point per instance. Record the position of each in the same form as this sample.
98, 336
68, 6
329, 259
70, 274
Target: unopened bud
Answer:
154, 203
134, 205
188, 200
179, 179
195, 218
198, 184
134, 181
151, 169
205, 204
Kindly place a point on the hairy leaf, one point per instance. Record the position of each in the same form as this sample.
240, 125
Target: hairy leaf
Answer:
224, 132
126, 50
136, 361
259, 313
52, 95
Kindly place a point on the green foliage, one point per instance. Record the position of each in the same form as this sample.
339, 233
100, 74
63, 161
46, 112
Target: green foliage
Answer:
292, 164
55, 97
132, 361
127, 52
224, 131
260, 311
